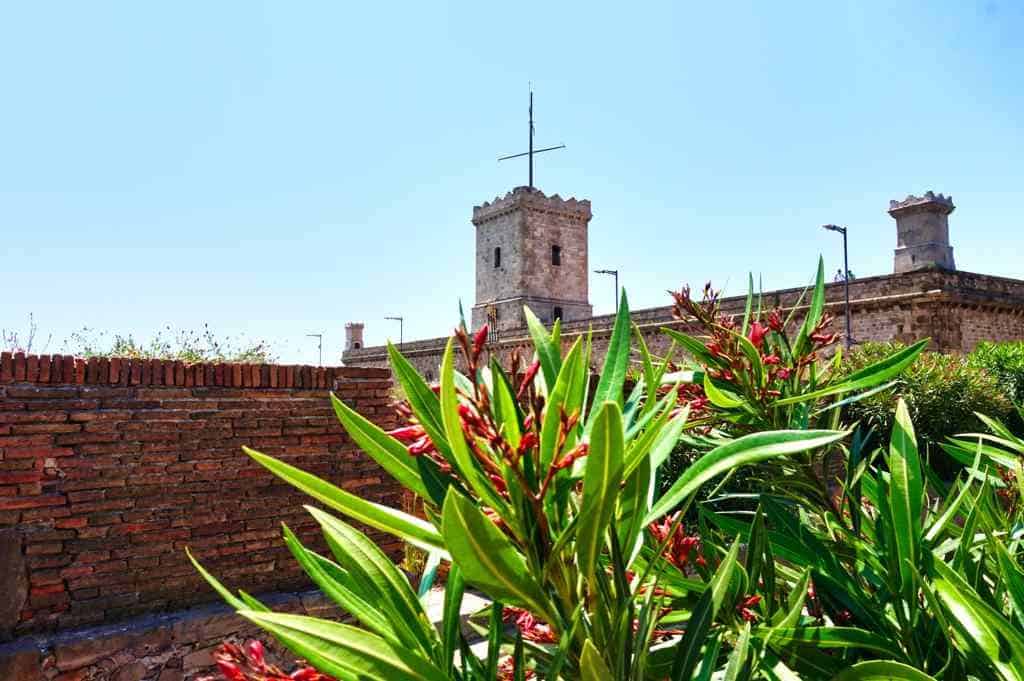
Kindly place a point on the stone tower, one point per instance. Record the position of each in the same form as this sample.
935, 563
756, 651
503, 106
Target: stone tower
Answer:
531, 250
354, 336
922, 232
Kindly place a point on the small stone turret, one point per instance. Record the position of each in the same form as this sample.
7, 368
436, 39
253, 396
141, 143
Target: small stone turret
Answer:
922, 232
354, 336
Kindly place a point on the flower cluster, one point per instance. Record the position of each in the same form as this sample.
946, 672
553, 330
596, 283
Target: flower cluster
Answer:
483, 436
727, 348
679, 547
529, 626
250, 664
745, 608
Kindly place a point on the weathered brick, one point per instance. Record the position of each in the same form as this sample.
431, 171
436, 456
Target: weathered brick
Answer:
14, 503
157, 468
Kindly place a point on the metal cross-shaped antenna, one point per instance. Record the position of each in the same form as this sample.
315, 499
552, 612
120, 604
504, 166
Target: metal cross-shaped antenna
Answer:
532, 151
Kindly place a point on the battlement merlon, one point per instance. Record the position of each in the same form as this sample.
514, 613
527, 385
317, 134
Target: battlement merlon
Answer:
532, 199
930, 202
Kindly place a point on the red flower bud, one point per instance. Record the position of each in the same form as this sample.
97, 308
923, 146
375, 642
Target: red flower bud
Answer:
580, 451
531, 373
775, 322
528, 441
479, 339
771, 360
407, 433
421, 446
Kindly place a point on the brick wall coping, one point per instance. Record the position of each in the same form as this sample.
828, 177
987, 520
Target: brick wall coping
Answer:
67, 369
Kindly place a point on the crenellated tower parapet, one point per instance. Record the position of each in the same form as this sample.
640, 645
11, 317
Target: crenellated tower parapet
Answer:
531, 249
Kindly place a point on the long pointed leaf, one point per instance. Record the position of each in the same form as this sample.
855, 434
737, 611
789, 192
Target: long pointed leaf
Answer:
343, 650
381, 447
602, 477
410, 528
743, 451
487, 558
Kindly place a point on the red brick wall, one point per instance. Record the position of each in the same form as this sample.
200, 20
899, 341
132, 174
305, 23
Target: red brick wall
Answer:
110, 468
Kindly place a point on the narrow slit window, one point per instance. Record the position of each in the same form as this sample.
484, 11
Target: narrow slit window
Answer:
497, 257
556, 314
556, 255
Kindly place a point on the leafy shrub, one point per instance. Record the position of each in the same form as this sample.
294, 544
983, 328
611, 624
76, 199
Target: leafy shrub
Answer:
1005, 362
767, 370
942, 392
548, 505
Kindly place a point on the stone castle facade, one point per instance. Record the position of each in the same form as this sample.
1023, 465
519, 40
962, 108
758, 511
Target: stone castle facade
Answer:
531, 250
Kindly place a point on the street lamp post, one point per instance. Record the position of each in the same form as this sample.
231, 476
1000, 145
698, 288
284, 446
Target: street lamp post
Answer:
319, 345
846, 280
614, 273
401, 329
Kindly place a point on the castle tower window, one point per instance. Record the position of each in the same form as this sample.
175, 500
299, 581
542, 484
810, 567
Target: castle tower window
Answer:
556, 314
556, 255
497, 257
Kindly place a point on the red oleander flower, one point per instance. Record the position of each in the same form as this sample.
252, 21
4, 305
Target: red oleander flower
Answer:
256, 652
679, 548
783, 373
236, 664
531, 628
757, 334
744, 608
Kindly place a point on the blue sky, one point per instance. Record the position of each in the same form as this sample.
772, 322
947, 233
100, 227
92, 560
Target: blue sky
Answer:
280, 169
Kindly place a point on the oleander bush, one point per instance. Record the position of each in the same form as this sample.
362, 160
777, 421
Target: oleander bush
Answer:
852, 562
943, 393
1005, 362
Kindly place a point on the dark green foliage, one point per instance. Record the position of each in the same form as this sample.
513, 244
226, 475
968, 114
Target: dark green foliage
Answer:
1005, 362
942, 393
